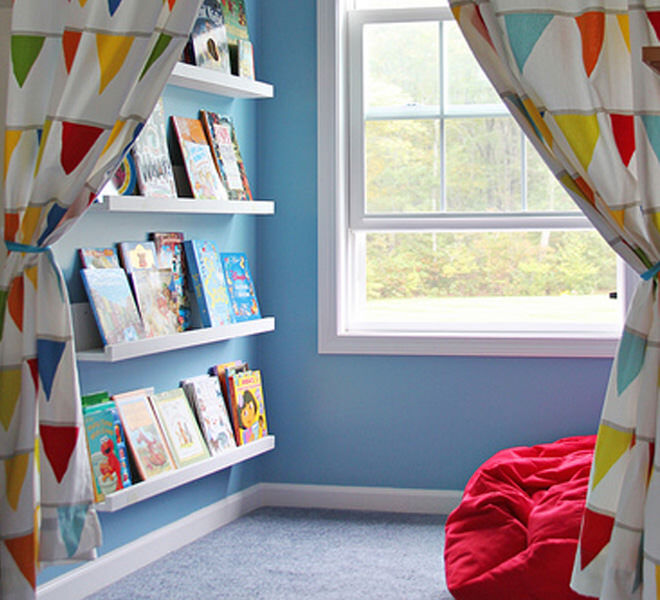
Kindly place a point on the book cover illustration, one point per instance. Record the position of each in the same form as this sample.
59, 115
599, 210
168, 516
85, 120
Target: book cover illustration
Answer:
236, 22
226, 154
113, 305
209, 38
143, 434
153, 166
197, 159
223, 372
240, 286
99, 258
180, 427
170, 255
157, 301
248, 410
245, 59
136, 256
123, 181
206, 398
208, 282
105, 442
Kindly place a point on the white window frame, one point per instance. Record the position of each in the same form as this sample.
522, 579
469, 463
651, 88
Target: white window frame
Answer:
335, 334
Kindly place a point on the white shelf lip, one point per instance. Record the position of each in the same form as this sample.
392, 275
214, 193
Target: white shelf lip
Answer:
167, 481
146, 204
185, 339
215, 82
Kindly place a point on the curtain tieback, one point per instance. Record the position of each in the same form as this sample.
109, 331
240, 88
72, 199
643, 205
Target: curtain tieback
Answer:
17, 247
652, 272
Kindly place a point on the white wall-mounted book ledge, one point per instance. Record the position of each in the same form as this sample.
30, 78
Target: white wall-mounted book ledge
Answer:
209, 206
90, 349
215, 82
167, 481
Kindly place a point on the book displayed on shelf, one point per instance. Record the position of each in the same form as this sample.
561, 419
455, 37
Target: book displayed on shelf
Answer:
170, 255
153, 166
236, 24
247, 406
245, 59
240, 286
99, 258
136, 256
223, 372
208, 282
197, 159
205, 397
157, 300
113, 305
108, 454
226, 154
178, 423
209, 38
123, 181
143, 434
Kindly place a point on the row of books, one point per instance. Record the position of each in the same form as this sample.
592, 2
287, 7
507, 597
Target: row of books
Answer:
210, 152
139, 434
220, 40
149, 292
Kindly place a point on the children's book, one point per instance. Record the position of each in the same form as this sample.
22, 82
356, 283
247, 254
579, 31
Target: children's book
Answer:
206, 398
170, 255
209, 37
240, 286
105, 441
153, 166
247, 404
157, 300
99, 258
143, 434
245, 59
137, 255
112, 303
208, 282
236, 25
226, 154
180, 427
202, 174
223, 372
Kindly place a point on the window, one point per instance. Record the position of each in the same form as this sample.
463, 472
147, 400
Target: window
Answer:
441, 230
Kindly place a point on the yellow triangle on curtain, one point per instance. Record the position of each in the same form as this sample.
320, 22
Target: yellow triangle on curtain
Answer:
30, 222
112, 51
12, 136
535, 115
618, 216
624, 26
611, 445
581, 133
42, 144
10, 389
114, 134
15, 470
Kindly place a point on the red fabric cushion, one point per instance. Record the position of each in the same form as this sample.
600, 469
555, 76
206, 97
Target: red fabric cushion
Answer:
514, 534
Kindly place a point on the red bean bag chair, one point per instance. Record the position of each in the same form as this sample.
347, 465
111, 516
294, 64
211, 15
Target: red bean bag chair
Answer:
514, 534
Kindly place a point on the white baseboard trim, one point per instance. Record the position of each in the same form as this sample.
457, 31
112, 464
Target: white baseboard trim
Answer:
360, 498
97, 574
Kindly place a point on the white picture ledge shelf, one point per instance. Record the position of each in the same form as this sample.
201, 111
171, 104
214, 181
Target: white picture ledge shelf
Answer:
167, 481
147, 204
215, 82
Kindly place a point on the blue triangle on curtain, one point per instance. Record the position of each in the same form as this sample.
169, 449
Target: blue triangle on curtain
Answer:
55, 214
652, 127
71, 520
524, 30
49, 354
630, 359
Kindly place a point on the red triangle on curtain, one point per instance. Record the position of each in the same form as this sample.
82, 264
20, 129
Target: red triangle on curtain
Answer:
34, 370
623, 127
70, 41
592, 31
15, 301
77, 140
595, 535
58, 443
654, 18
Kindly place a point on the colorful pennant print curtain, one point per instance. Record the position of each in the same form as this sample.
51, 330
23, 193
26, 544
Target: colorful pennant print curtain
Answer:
83, 77
572, 76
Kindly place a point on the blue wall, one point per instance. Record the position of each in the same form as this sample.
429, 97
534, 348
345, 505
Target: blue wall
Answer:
421, 422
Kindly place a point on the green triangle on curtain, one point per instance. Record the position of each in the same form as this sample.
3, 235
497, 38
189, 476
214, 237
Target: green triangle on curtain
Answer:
24, 52
162, 43
524, 30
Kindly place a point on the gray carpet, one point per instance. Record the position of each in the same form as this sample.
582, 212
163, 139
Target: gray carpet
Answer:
287, 554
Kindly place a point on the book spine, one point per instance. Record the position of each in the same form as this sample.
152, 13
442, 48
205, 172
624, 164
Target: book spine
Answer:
122, 451
196, 282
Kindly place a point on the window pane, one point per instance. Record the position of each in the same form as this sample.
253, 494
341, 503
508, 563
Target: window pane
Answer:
483, 165
490, 277
466, 82
403, 166
401, 64
544, 192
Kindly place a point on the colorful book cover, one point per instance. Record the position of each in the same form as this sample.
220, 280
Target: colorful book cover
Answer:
209, 38
143, 434
124, 180
225, 370
180, 427
153, 166
208, 282
245, 59
248, 410
113, 305
136, 256
200, 168
107, 449
170, 255
240, 286
206, 398
236, 21
99, 258
157, 301
226, 154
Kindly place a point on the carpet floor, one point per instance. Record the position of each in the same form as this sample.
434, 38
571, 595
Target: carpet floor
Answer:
287, 554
